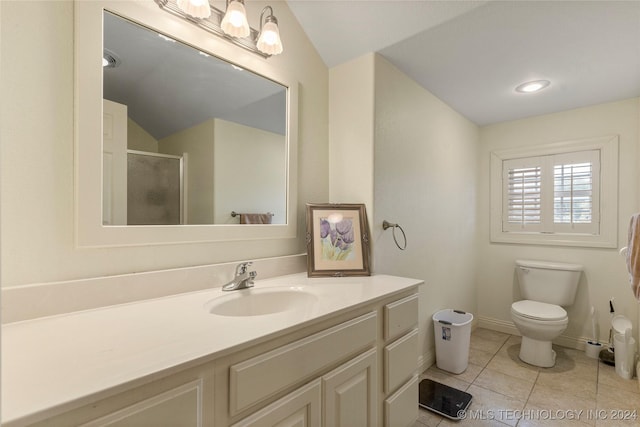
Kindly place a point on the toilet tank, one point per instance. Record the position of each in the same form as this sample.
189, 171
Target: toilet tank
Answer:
550, 282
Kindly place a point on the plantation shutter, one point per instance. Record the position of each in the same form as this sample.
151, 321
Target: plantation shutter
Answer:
576, 192
557, 193
523, 195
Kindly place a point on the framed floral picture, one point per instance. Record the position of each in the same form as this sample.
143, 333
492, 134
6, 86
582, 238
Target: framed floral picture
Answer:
337, 240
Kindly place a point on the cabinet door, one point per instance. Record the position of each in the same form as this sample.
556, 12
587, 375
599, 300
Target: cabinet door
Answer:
180, 406
183, 399
298, 409
350, 393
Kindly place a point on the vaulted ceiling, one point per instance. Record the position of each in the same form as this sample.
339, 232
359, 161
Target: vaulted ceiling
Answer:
472, 54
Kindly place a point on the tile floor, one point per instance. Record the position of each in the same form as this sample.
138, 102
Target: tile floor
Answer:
577, 391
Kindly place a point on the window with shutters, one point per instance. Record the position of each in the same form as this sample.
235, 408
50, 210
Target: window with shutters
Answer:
552, 193
564, 194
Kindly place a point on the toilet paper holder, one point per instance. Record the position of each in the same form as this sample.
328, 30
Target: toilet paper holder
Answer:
386, 224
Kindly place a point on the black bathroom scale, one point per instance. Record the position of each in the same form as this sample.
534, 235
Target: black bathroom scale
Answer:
444, 400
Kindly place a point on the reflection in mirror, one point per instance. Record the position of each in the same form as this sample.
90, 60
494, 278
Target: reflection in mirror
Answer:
197, 137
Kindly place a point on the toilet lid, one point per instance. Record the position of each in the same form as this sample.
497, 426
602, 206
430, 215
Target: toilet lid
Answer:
539, 310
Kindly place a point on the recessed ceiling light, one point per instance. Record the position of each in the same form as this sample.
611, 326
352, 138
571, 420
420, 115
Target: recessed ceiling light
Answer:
534, 86
109, 59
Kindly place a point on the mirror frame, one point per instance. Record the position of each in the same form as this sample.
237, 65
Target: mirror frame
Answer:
88, 128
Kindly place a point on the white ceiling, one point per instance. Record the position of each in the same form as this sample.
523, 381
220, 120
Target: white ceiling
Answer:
472, 54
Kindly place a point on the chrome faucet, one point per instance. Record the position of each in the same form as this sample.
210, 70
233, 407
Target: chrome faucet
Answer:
243, 278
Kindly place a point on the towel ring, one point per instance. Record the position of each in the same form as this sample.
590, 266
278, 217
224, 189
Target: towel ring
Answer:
386, 224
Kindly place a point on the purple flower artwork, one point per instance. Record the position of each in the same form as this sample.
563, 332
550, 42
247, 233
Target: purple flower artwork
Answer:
337, 239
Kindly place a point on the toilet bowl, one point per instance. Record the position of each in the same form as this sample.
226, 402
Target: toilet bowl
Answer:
546, 286
539, 323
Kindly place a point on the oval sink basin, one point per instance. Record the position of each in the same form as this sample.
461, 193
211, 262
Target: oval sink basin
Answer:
259, 302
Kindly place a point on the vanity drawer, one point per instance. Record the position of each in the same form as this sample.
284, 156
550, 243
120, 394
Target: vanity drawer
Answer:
400, 361
262, 376
401, 408
400, 316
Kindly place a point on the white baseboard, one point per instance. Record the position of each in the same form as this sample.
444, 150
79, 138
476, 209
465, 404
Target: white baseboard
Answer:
508, 327
426, 360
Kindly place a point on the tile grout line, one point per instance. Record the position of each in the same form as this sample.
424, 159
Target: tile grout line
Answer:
526, 401
486, 367
494, 354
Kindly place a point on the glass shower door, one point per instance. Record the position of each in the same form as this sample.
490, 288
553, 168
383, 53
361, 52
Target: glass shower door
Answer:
154, 189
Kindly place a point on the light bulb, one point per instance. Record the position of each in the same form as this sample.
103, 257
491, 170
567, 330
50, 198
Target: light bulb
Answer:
269, 41
534, 86
235, 18
235, 21
195, 8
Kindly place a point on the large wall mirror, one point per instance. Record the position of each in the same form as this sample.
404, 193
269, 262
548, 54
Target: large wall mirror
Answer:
181, 137
203, 142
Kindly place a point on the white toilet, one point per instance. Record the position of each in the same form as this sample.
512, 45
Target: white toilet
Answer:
546, 286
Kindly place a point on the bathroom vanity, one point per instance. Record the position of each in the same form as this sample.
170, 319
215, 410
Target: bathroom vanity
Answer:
321, 351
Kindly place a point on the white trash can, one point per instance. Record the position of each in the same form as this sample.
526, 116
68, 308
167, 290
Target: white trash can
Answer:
452, 330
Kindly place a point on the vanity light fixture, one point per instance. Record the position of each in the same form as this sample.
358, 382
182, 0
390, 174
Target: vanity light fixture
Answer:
269, 39
232, 24
533, 86
235, 21
195, 8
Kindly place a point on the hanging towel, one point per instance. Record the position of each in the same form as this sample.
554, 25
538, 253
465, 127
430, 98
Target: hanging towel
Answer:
249, 218
633, 255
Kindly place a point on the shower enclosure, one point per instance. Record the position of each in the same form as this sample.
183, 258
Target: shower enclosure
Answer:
154, 188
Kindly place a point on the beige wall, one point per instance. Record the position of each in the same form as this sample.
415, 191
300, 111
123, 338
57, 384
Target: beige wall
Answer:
351, 132
37, 158
197, 143
230, 167
403, 152
249, 172
139, 139
425, 180
605, 273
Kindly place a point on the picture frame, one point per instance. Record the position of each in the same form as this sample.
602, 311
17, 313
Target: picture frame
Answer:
337, 240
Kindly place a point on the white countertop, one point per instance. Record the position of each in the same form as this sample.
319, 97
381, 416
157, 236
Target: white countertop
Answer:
59, 360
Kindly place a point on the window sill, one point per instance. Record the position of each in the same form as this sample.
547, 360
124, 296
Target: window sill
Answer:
555, 239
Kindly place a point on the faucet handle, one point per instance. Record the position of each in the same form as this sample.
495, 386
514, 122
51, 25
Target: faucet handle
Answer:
242, 267
252, 275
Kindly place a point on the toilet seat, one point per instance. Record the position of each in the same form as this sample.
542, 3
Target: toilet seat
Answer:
536, 310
